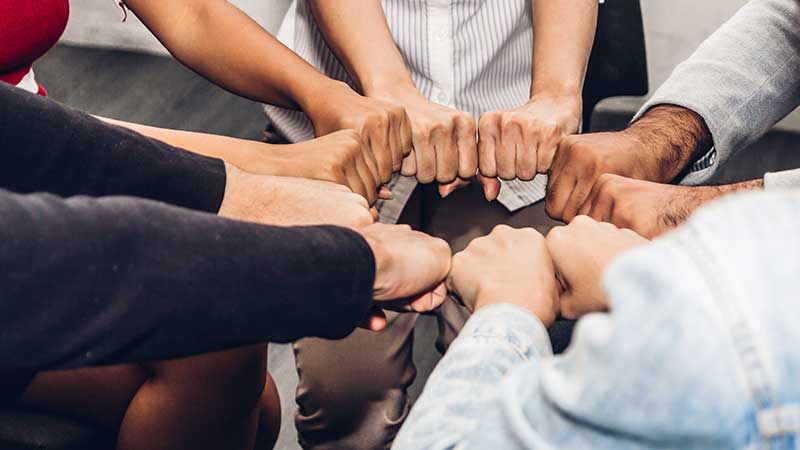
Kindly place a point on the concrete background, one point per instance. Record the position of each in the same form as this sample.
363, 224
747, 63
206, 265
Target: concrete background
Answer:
673, 28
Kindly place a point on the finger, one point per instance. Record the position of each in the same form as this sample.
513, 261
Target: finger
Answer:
510, 141
409, 168
576, 199
449, 188
375, 320
395, 145
426, 159
372, 164
467, 148
385, 193
545, 154
591, 199
406, 139
383, 157
375, 213
568, 309
558, 193
341, 179
487, 145
446, 155
370, 183
526, 160
491, 187
602, 208
354, 181
430, 300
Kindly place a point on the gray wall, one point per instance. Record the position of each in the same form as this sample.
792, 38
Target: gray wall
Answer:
674, 28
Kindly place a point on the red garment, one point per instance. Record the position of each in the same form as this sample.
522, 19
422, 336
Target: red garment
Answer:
28, 29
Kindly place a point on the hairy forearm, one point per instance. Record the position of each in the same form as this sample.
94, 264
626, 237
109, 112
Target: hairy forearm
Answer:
563, 37
223, 44
673, 137
363, 43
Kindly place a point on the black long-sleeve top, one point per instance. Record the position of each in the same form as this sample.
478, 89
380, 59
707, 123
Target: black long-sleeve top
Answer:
87, 281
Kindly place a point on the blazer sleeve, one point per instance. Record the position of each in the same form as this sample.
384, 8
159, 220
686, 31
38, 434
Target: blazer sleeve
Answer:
89, 281
742, 80
47, 147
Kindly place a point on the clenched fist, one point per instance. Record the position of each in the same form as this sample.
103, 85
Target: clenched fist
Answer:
581, 252
507, 266
522, 142
383, 126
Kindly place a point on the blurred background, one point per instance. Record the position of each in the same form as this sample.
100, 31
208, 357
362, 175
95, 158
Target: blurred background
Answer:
117, 69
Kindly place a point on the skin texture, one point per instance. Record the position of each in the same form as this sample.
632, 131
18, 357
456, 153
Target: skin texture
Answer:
648, 208
521, 142
581, 252
507, 266
292, 201
657, 147
340, 157
257, 66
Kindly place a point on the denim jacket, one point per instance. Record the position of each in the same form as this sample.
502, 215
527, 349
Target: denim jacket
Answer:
700, 350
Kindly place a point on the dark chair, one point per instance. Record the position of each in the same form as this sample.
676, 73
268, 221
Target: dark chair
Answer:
618, 66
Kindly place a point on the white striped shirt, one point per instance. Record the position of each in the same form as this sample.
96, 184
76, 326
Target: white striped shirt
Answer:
471, 55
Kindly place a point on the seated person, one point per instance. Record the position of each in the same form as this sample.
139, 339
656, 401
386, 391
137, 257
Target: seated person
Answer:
688, 342
105, 280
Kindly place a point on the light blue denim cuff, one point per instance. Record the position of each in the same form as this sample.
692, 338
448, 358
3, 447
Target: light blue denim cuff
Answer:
515, 326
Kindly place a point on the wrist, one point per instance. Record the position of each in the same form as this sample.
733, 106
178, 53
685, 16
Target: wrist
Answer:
539, 305
671, 138
395, 87
317, 100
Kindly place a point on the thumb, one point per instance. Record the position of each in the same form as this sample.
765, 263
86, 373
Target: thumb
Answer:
447, 189
491, 187
375, 320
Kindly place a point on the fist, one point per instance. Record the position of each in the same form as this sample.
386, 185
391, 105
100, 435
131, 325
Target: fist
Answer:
383, 126
288, 201
581, 252
649, 209
507, 266
521, 142
340, 157
581, 159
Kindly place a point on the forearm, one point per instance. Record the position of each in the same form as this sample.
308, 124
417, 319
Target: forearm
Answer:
103, 281
239, 152
48, 147
494, 341
364, 44
223, 44
743, 78
671, 138
563, 37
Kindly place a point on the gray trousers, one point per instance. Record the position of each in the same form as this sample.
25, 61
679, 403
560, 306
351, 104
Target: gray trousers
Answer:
352, 393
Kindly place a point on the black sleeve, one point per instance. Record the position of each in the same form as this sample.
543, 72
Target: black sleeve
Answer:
98, 281
46, 147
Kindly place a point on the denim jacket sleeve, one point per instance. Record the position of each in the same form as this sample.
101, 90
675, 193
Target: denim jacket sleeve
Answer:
691, 356
742, 80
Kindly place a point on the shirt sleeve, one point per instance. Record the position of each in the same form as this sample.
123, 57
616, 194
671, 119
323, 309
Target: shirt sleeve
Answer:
101, 281
742, 80
47, 147
785, 180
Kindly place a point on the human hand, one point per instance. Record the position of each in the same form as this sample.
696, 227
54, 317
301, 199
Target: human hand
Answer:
581, 251
383, 126
288, 201
648, 208
410, 270
444, 144
507, 266
522, 142
340, 157
657, 147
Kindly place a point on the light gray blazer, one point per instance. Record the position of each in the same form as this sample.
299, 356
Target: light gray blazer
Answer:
742, 80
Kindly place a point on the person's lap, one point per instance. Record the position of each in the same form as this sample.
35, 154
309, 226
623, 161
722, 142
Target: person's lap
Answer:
352, 393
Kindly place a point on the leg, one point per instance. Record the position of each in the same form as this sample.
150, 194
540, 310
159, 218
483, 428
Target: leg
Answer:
464, 216
208, 401
352, 393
